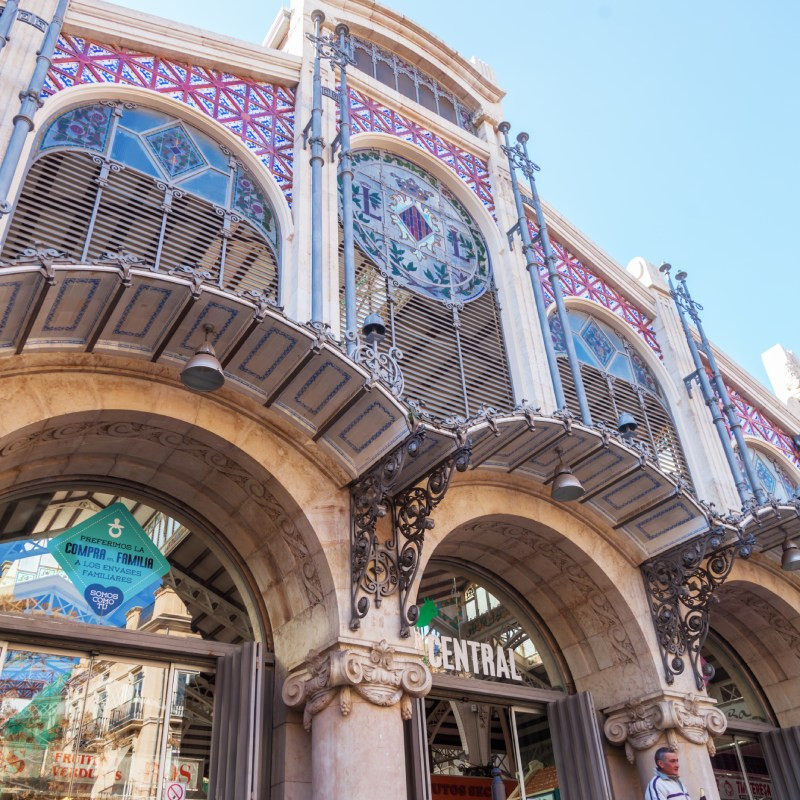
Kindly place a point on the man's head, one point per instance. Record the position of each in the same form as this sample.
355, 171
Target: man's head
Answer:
667, 761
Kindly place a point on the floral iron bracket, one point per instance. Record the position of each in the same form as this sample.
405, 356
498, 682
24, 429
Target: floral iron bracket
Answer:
680, 586
386, 563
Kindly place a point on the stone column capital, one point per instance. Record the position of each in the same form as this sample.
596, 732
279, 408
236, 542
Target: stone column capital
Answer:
641, 722
380, 674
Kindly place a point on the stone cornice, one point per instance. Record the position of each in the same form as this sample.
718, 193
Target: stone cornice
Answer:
640, 723
381, 675
117, 25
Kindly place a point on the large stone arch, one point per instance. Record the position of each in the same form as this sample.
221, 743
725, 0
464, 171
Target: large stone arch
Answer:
58, 103
758, 615
582, 582
214, 465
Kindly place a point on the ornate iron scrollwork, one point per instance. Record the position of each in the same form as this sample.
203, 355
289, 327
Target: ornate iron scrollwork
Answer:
382, 567
680, 586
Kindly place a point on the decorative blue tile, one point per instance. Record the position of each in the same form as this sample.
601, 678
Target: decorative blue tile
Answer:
70, 286
599, 343
765, 475
275, 364
687, 514
372, 428
9, 292
219, 331
165, 294
651, 484
345, 378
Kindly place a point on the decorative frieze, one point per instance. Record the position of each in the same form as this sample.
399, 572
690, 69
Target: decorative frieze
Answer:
379, 675
639, 724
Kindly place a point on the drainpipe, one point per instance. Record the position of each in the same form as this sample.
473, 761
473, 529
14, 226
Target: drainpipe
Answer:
555, 282
533, 272
317, 160
708, 394
7, 19
23, 121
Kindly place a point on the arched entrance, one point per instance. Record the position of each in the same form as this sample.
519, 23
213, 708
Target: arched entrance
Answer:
142, 558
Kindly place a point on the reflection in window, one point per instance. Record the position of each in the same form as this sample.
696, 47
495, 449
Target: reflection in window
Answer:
411, 82
193, 595
111, 177
617, 380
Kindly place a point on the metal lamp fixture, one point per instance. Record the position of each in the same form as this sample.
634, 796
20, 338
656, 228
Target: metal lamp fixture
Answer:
566, 487
373, 329
626, 425
203, 372
790, 560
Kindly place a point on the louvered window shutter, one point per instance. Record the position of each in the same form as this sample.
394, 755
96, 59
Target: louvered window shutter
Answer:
236, 736
782, 754
578, 749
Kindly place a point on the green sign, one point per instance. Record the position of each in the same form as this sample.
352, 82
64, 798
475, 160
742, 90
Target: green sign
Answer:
109, 558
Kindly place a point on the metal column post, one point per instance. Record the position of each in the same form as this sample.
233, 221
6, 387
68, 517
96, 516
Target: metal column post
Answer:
23, 121
7, 20
722, 392
533, 272
708, 393
346, 174
317, 160
555, 282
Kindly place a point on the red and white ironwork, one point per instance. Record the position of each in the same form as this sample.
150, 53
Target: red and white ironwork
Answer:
260, 114
368, 115
577, 280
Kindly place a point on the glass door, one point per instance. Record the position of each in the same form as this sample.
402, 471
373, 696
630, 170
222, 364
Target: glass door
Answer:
93, 726
533, 747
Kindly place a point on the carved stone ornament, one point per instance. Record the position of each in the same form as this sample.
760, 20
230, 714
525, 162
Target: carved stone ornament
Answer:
379, 675
639, 724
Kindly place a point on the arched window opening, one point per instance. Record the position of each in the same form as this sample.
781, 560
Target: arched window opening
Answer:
423, 265
113, 177
411, 82
470, 632
147, 573
740, 768
773, 477
617, 380
83, 715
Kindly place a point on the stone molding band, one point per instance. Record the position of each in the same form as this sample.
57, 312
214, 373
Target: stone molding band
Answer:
379, 675
639, 724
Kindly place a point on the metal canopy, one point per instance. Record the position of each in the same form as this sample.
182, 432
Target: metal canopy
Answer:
118, 306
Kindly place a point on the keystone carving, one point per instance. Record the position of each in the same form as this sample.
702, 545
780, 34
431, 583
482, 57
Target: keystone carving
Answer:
380, 675
639, 724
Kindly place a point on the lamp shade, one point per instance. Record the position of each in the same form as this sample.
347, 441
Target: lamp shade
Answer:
790, 560
566, 487
203, 372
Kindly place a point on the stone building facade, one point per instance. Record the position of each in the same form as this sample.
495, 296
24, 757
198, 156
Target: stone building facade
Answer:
475, 510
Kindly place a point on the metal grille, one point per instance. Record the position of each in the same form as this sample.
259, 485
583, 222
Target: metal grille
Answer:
609, 396
454, 360
63, 205
410, 81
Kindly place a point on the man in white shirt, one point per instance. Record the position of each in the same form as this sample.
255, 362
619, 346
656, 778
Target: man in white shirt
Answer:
666, 785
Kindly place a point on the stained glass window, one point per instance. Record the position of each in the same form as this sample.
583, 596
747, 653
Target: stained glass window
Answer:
169, 150
416, 231
774, 479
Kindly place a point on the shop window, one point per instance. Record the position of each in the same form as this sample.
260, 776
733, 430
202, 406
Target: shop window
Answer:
618, 380
111, 177
740, 770
423, 265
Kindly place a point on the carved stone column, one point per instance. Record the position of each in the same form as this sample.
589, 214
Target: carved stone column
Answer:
685, 722
354, 702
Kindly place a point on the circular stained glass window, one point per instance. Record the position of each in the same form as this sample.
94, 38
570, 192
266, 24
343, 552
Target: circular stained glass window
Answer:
415, 230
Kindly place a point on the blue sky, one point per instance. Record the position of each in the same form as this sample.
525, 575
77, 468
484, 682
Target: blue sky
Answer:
663, 129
